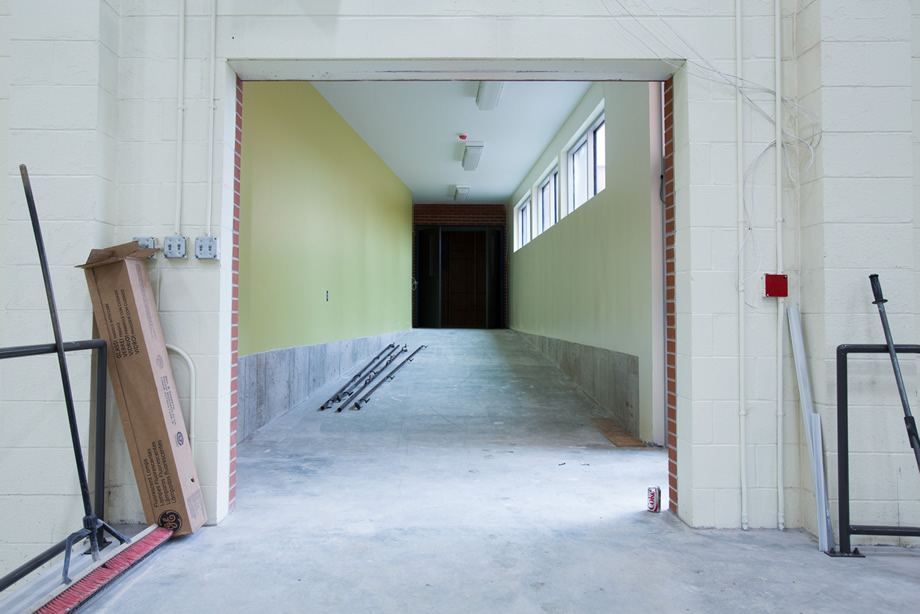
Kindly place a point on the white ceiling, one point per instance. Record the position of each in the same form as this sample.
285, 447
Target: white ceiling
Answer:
414, 126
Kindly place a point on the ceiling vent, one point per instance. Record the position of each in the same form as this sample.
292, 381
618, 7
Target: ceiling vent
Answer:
488, 94
461, 192
471, 154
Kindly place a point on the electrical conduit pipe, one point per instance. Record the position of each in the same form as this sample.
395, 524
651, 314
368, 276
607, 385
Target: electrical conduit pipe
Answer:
739, 168
781, 303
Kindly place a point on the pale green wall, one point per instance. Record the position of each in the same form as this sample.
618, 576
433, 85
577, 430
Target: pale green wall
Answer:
588, 279
318, 211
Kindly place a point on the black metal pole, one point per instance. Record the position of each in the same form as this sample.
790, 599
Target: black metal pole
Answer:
91, 523
99, 478
843, 453
59, 343
912, 435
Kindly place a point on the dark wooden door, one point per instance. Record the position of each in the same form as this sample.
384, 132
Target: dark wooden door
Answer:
464, 279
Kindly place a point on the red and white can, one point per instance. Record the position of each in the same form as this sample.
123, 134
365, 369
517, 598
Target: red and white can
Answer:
654, 499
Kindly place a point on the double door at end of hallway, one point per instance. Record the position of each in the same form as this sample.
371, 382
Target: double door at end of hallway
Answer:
459, 273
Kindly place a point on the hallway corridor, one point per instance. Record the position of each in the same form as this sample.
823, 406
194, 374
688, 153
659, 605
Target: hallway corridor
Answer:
472, 483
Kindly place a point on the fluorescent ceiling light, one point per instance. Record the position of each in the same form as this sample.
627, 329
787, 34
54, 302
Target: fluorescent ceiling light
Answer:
488, 94
461, 192
471, 154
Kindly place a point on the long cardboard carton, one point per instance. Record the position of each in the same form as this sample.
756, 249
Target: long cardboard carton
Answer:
127, 318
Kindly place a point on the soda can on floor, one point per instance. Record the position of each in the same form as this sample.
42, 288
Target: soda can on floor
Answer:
654, 499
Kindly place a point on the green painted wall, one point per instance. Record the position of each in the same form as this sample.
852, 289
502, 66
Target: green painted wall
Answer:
318, 211
588, 279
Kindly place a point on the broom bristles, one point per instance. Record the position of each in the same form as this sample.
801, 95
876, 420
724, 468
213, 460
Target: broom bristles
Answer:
99, 578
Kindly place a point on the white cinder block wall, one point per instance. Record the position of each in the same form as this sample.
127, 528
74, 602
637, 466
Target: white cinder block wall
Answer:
87, 100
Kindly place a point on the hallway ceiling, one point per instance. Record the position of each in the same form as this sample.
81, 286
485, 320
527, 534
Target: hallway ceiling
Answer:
414, 126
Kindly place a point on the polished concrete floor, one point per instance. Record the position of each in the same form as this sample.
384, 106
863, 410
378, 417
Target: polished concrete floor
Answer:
473, 483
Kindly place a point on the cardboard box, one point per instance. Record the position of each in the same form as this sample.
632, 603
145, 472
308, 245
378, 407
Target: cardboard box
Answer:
127, 318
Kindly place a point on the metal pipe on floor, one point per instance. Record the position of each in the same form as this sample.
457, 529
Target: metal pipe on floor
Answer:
337, 397
379, 368
367, 397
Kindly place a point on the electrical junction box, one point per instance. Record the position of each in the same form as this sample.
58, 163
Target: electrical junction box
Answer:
206, 248
174, 246
776, 285
147, 243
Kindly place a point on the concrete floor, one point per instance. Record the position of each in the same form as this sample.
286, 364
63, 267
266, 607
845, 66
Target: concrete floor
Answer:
473, 482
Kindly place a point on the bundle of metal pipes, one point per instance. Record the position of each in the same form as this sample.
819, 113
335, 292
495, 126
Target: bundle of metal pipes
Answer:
367, 376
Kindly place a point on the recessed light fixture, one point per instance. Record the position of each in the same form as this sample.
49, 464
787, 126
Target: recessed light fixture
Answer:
471, 154
461, 192
488, 94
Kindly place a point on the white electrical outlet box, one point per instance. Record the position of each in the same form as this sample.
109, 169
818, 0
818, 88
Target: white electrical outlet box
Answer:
146, 243
174, 247
206, 248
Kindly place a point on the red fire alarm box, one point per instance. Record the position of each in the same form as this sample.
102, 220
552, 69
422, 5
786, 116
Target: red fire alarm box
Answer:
776, 285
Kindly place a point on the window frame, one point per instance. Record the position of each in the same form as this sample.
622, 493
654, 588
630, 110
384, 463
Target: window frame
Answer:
587, 139
523, 224
551, 180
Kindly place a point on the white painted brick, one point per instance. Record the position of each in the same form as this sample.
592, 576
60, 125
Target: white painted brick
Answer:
761, 423
712, 122
700, 248
860, 21
877, 429
54, 107
757, 37
722, 158
878, 63
48, 19
809, 71
713, 292
55, 63
151, 37
146, 162
710, 380
725, 422
726, 508
39, 424
867, 155
56, 152
181, 329
762, 508
712, 206
702, 506
38, 471
867, 109
715, 467
857, 245
877, 200
701, 429
808, 26
147, 78
724, 249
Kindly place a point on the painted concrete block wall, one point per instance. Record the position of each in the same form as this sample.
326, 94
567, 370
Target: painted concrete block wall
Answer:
326, 226
58, 90
863, 221
588, 278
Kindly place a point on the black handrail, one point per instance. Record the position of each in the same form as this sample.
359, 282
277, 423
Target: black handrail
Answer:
99, 470
843, 452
